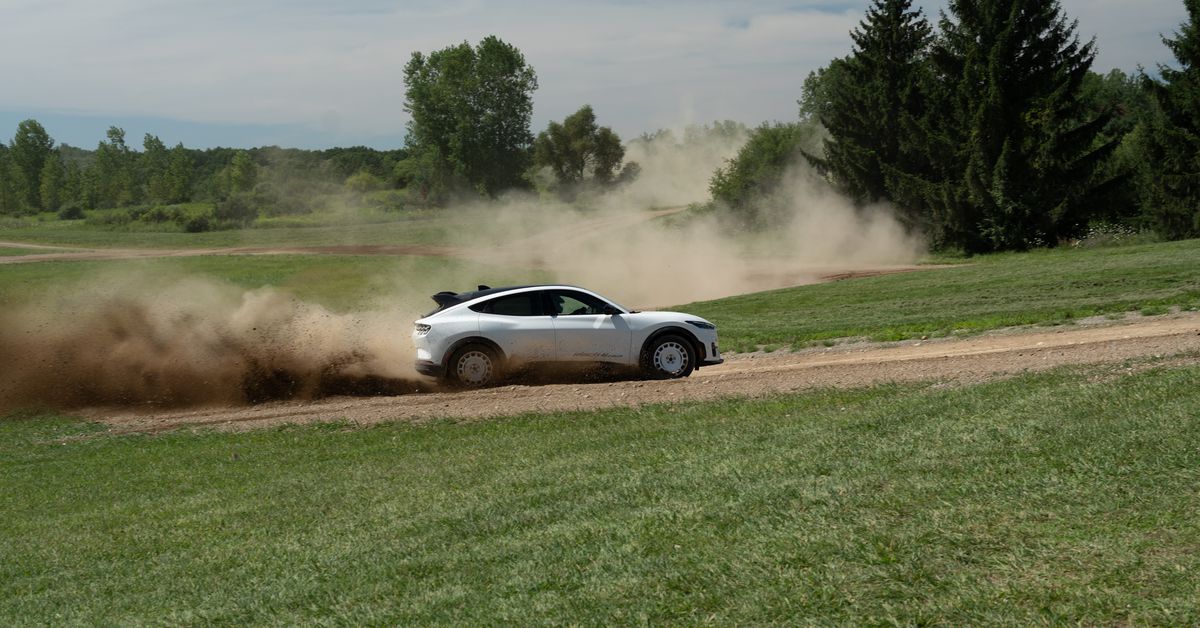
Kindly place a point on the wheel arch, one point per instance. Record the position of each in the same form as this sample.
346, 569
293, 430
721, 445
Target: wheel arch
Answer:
469, 340
668, 331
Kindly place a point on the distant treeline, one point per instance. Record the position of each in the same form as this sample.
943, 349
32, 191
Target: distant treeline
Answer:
38, 176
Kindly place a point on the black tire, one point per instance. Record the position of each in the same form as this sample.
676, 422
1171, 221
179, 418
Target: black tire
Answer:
669, 357
474, 366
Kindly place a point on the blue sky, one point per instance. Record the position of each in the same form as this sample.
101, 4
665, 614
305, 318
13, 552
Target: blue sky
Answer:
315, 74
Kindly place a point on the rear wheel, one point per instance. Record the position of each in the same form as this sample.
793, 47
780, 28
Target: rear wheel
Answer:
474, 366
669, 357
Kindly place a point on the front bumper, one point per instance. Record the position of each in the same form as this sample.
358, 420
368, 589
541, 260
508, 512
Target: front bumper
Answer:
430, 368
712, 356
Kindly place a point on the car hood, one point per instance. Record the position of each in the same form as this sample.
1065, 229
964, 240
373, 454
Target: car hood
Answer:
665, 317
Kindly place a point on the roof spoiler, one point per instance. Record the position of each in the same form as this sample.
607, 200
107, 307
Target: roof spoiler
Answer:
446, 299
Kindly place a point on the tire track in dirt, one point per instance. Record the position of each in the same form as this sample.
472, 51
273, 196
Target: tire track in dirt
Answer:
976, 359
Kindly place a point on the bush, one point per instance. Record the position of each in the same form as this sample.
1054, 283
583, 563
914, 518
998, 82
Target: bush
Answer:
158, 214
752, 176
238, 209
71, 211
198, 223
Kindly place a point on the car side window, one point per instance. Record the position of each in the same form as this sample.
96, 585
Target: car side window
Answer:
523, 304
571, 303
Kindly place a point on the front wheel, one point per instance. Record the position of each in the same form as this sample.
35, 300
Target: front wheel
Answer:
669, 357
474, 366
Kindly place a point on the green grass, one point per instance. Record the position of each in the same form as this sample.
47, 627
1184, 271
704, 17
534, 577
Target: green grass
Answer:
415, 227
339, 282
1043, 287
1068, 497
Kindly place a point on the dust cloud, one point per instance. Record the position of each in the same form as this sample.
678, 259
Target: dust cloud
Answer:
642, 245
138, 340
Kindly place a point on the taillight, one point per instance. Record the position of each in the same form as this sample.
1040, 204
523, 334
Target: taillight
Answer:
422, 329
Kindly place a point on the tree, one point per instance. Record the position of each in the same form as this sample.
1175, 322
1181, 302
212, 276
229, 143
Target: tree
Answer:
1172, 194
153, 168
109, 182
243, 172
753, 175
864, 99
30, 149
12, 184
177, 182
471, 109
52, 178
1013, 157
577, 150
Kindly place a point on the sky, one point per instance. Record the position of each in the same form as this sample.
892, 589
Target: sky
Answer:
317, 74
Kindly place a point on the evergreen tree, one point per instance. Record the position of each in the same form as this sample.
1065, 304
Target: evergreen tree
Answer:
1013, 157
864, 99
1172, 192
30, 149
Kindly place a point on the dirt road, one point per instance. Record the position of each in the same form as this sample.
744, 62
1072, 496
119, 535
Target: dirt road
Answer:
1174, 338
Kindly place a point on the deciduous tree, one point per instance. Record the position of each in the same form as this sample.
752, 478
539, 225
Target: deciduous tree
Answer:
30, 149
578, 151
471, 109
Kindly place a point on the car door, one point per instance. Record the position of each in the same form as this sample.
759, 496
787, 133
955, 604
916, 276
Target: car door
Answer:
519, 325
583, 332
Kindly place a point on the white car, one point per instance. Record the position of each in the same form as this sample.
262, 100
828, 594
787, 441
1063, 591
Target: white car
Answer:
473, 338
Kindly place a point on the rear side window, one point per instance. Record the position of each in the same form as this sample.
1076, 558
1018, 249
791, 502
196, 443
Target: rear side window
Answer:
523, 304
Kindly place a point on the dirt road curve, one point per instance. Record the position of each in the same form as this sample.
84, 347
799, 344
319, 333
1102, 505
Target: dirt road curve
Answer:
1175, 337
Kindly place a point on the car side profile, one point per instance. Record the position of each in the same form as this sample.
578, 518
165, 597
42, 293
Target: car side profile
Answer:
474, 338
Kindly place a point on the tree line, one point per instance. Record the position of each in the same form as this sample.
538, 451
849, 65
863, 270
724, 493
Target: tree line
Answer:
36, 175
992, 132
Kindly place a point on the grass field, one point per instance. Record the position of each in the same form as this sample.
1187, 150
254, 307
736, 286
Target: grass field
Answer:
1037, 288
1068, 497
339, 282
416, 227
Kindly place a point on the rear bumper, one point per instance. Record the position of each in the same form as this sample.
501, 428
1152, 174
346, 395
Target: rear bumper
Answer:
430, 368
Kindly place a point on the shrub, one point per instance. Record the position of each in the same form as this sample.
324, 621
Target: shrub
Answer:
237, 209
71, 211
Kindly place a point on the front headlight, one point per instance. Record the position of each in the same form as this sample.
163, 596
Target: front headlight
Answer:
702, 324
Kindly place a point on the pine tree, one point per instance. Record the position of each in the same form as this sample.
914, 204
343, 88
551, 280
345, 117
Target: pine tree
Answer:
866, 96
1172, 190
1013, 159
